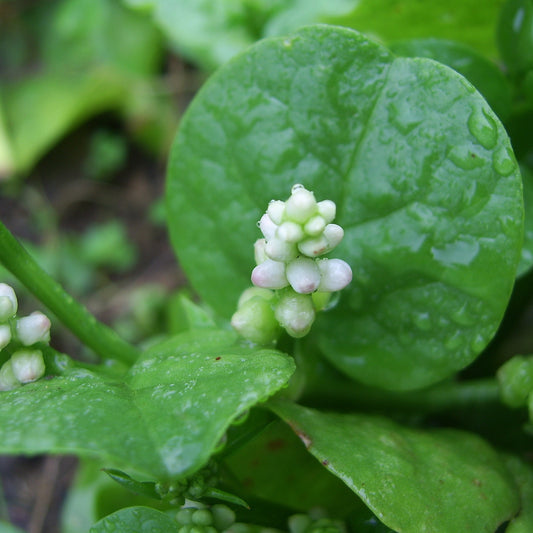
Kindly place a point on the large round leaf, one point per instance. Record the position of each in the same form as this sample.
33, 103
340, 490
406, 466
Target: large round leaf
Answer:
425, 182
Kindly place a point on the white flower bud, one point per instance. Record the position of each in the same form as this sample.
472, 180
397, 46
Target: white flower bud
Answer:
33, 328
290, 232
303, 275
279, 250
255, 321
334, 234
8, 380
28, 365
315, 226
276, 210
270, 275
335, 274
5, 336
8, 302
260, 251
314, 247
301, 205
295, 313
327, 209
267, 227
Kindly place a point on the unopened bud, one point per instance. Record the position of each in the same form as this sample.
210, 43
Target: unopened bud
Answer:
270, 275
253, 292
276, 209
301, 205
267, 227
33, 328
334, 234
223, 516
303, 275
327, 209
315, 226
8, 302
28, 365
279, 250
335, 274
8, 380
5, 336
290, 232
255, 321
260, 251
295, 313
314, 247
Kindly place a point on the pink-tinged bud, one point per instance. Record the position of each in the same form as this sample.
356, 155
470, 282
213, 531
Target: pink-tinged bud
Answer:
270, 275
314, 247
5, 336
290, 232
8, 302
279, 250
335, 274
301, 205
260, 251
255, 321
276, 210
267, 227
33, 328
315, 226
28, 365
295, 313
8, 381
303, 275
333, 234
327, 209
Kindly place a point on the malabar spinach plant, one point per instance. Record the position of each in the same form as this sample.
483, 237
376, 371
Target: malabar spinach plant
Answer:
319, 410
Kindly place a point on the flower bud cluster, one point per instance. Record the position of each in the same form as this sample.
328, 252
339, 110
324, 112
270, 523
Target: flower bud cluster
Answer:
290, 269
26, 363
215, 519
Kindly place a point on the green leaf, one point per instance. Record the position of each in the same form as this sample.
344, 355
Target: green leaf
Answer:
300, 483
526, 259
413, 480
523, 474
482, 73
143, 488
8, 528
422, 172
515, 35
136, 520
164, 420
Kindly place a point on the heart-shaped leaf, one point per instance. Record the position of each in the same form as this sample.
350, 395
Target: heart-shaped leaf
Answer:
164, 420
413, 480
422, 172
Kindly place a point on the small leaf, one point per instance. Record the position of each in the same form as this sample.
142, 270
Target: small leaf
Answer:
413, 480
225, 497
136, 520
163, 421
523, 474
145, 488
426, 185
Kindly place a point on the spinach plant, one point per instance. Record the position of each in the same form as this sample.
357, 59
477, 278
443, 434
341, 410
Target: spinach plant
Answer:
335, 425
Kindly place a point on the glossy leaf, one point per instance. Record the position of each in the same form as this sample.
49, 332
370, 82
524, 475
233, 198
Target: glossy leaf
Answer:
523, 474
413, 480
164, 421
526, 259
482, 73
136, 520
421, 170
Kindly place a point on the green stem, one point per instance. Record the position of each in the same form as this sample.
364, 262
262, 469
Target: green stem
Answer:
336, 391
97, 336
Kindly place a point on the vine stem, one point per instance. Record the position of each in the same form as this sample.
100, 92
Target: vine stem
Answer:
97, 336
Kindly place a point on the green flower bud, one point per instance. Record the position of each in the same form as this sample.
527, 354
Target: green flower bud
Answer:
8, 380
202, 517
223, 516
28, 365
184, 516
255, 321
516, 380
295, 312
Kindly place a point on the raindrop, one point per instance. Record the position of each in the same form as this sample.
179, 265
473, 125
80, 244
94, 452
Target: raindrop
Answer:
454, 342
463, 157
297, 187
462, 316
503, 161
422, 321
478, 343
483, 127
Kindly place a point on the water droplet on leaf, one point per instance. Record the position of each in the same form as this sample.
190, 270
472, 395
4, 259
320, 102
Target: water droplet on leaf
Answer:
483, 127
503, 161
464, 157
